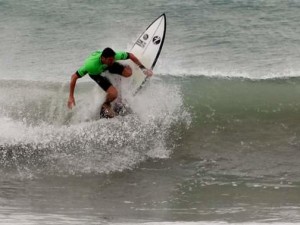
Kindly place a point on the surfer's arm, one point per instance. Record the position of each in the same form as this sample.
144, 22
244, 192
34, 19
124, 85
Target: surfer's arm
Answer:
146, 71
71, 101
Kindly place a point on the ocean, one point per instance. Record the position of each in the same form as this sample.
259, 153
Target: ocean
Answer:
213, 137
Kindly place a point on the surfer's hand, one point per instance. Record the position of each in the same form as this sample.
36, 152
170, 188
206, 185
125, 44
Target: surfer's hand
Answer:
71, 102
147, 72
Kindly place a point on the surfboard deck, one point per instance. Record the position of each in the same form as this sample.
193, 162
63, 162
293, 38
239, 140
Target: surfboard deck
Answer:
147, 49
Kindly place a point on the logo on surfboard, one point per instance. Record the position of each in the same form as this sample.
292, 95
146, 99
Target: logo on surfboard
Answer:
141, 43
156, 40
145, 37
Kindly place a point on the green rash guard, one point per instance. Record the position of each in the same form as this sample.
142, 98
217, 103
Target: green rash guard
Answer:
93, 65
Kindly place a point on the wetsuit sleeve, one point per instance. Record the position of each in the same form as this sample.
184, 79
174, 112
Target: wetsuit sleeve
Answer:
121, 56
82, 71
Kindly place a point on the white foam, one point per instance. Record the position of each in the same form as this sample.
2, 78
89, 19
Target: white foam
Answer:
84, 144
11, 131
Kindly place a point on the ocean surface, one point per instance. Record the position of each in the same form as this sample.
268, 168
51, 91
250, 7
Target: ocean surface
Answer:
213, 137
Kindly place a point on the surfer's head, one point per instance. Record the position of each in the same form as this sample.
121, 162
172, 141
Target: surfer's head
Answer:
108, 56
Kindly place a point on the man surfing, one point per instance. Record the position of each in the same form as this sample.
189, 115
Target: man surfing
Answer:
95, 65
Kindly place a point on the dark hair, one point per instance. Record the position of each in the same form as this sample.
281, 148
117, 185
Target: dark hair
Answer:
108, 52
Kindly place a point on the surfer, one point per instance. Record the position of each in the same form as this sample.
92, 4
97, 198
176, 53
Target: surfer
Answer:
95, 65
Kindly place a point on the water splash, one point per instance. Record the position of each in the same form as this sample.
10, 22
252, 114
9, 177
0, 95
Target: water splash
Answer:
40, 135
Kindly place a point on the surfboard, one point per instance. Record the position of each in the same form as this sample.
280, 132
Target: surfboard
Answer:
147, 49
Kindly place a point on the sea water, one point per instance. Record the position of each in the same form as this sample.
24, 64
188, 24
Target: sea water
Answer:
214, 135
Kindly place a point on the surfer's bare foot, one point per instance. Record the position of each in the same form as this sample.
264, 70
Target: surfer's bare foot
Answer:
107, 111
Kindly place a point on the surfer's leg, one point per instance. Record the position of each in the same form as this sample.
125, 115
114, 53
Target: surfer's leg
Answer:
127, 71
111, 95
106, 110
123, 70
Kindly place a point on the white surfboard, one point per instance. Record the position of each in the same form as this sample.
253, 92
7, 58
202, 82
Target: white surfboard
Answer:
147, 49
